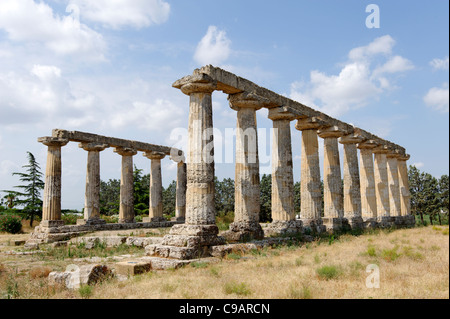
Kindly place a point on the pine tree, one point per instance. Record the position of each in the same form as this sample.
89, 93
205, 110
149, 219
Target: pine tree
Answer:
30, 197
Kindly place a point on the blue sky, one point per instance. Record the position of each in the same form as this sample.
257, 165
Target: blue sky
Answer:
106, 67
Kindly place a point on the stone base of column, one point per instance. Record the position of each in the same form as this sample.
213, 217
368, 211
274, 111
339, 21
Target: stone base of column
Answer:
370, 222
127, 221
313, 225
91, 221
283, 228
404, 221
153, 219
336, 224
386, 221
356, 223
51, 223
243, 232
410, 221
187, 242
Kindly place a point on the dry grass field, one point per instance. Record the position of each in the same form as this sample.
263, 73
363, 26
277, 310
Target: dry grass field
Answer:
412, 263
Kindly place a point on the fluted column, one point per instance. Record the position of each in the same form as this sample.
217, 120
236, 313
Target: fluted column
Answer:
126, 208
283, 215
92, 194
405, 195
51, 207
367, 181
155, 201
247, 189
311, 197
394, 185
332, 181
180, 201
381, 186
352, 185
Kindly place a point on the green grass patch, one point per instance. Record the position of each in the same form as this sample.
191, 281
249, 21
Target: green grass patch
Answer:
240, 289
328, 272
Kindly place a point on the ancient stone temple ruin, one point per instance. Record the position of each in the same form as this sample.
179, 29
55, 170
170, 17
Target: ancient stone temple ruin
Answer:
374, 192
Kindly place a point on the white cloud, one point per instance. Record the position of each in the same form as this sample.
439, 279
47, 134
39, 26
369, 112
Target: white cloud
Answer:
358, 81
123, 13
438, 98
214, 48
418, 165
28, 21
440, 64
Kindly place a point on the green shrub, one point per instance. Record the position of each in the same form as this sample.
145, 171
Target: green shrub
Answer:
70, 219
237, 288
85, 291
328, 272
10, 223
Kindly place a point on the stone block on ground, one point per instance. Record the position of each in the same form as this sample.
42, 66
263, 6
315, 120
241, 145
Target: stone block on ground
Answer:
132, 267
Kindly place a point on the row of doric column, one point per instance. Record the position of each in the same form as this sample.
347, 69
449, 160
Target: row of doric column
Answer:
374, 189
52, 192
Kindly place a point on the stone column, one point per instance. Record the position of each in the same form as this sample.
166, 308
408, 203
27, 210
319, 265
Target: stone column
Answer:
180, 204
283, 215
352, 186
51, 207
394, 187
155, 201
92, 194
247, 191
311, 197
332, 181
405, 195
367, 180
126, 209
193, 239
381, 186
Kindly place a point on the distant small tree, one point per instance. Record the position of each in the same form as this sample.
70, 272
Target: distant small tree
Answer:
265, 213
30, 196
169, 199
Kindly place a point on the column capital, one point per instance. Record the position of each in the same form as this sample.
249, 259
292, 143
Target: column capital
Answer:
248, 100
404, 157
394, 154
280, 113
154, 155
353, 138
369, 144
381, 149
197, 83
53, 141
125, 151
310, 123
328, 132
96, 147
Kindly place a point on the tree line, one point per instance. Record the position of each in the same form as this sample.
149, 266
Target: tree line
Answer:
429, 195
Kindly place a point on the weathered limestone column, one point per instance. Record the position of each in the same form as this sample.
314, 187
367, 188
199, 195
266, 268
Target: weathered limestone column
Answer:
381, 186
51, 207
311, 197
394, 186
194, 238
352, 186
126, 209
92, 195
155, 201
283, 215
247, 191
405, 195
367, 179
332, 182
180, 201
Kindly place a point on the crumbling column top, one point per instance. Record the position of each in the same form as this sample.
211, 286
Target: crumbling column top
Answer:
330, 132
369, 144
53, 141
248, 100
125, 151
95, 147
354, 138
310, 123
405, 157
281, 113
196, 83
154, 155
381, 149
